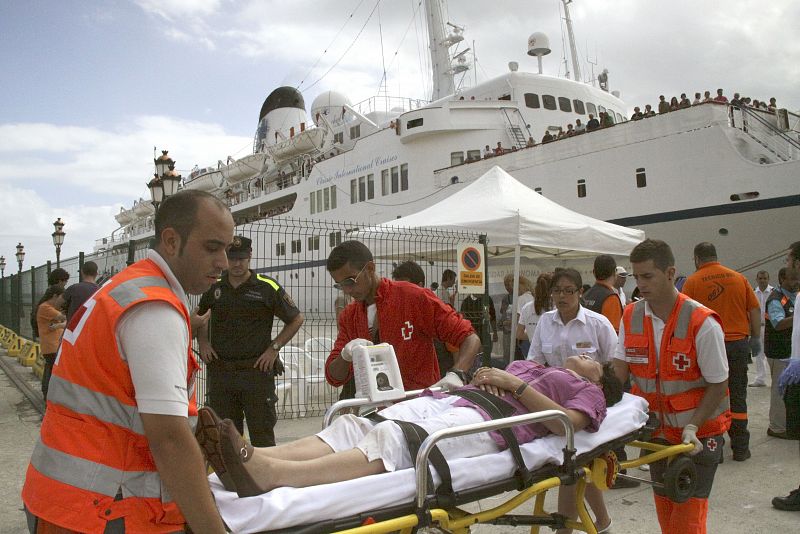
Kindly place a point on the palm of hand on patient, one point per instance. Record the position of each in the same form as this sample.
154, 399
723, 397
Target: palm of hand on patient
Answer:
495, 381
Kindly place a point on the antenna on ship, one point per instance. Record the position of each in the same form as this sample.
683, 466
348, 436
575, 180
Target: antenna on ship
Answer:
439, 43
538, 45
576, 69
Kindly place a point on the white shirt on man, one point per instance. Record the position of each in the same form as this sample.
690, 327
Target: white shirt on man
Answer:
762, 297
588, 333
528, 318
709, 343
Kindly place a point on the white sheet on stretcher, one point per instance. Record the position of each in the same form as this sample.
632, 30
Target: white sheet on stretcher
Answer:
285, 507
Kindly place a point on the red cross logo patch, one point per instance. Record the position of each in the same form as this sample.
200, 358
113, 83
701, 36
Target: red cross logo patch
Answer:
711, 444
681, 361
407, 330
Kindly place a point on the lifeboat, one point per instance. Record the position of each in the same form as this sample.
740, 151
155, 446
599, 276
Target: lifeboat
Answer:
306, 141
124, 216
208, 179
143, 208
244, 168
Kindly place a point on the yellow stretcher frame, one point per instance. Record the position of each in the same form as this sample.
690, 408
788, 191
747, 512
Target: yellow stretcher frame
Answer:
602, 471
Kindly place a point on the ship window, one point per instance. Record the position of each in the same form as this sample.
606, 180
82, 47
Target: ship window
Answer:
456, 158
473, 155
538, 190
505, 97
353, 191
590, 108
335, 239
578, 105
549, 101
319, 200
404, 177
532, 100
326, 199
338, 137
355, 131
313, 202
370, 186
385, 182
333, 197
395, 180
601, 109
362, 189
564, 104
641, 177
581, 188
313, 242
280, 249
296, 246
414, 123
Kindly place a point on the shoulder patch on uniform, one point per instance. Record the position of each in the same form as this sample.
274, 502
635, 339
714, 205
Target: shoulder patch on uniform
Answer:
288, 299
268, 280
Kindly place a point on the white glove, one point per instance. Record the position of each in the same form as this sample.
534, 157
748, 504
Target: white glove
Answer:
690, 436
449, 382
755, 346
347, 351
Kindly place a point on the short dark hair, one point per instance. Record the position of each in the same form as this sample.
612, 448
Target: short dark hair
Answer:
705, 251
570, 274
762, 272
409, 271
794, 251
448, 274
353, 252
611, 385
57, 275
781, 274
656, 250
179, 212
89, 269
604, 266
52, 291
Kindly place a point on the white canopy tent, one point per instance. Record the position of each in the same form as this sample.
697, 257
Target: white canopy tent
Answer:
518, 220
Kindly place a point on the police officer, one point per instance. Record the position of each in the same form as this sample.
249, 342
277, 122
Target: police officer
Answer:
236, 343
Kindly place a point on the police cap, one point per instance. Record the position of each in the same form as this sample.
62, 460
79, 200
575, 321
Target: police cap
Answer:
240, 248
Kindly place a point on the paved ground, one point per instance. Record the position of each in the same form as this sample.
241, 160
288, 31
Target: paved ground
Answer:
740, 501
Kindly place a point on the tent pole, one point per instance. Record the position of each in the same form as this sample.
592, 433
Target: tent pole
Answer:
515, 298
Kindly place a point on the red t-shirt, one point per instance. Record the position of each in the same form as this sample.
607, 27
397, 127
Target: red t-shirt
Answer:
409, 318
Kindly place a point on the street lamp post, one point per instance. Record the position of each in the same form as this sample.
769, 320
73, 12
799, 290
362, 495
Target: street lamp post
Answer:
20, 258
2, 289
58, 239
165, 181
2, 266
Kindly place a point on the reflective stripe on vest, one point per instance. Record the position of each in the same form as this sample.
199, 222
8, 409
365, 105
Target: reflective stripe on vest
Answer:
270, 281
668, 387
129, 292
681, 326
681, 419
92, 476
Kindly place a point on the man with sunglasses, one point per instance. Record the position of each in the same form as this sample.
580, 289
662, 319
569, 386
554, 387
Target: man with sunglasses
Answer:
406, 316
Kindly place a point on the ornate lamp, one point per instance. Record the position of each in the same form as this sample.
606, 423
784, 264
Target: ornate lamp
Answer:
58, 239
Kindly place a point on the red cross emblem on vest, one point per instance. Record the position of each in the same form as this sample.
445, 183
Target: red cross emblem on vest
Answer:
711, 444
407, 330
681, 361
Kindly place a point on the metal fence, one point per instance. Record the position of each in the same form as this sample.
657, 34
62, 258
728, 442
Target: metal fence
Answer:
294, 252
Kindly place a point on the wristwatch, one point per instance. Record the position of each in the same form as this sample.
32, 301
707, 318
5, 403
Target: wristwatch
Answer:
276, 346
520, 390
461, 374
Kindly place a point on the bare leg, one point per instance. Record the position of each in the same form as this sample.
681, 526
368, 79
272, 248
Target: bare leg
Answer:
567, 505
306, 448
595, 499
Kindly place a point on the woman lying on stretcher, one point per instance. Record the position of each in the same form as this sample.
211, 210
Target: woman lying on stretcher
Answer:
353, 447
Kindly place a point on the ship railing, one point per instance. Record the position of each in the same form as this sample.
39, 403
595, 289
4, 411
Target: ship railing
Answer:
772, 130
389, 104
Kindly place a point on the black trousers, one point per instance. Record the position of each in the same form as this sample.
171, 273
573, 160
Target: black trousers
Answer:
705, 462
245, 393
792, 401
49, 361
738, 359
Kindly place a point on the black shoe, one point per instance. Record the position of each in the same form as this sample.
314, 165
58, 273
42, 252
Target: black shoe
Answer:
790, 503
624, 483
741, 456
779, 435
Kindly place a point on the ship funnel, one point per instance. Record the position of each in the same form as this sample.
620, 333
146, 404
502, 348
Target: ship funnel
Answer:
538, 45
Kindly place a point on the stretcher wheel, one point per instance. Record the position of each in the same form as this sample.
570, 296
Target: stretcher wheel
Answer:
604, 470
680, 479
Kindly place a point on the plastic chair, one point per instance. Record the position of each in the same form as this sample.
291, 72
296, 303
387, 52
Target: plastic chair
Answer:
293, 382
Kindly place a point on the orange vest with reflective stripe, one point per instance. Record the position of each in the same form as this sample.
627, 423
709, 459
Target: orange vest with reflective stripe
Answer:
672, 384
92, 447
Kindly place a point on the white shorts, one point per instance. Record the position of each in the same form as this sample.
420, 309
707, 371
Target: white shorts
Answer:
385, 441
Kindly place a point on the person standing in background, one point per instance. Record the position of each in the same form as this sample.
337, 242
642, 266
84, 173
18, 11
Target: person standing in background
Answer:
762, 291
76, 294
51, 325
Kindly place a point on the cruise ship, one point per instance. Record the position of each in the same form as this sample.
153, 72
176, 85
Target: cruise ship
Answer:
709, 172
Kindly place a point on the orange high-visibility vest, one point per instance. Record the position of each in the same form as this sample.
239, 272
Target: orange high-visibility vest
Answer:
672, 383
92, 447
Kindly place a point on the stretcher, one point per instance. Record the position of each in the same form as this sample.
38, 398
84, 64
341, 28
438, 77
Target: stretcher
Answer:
399, 501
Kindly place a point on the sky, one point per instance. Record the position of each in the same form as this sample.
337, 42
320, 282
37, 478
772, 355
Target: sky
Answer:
90, 87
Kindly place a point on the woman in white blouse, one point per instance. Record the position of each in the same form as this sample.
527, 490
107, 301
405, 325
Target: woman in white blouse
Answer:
530, 313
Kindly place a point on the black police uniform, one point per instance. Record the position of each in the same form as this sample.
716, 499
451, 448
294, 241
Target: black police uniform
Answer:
240, 330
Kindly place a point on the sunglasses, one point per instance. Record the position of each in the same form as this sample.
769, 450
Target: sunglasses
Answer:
350, 281
564, 291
